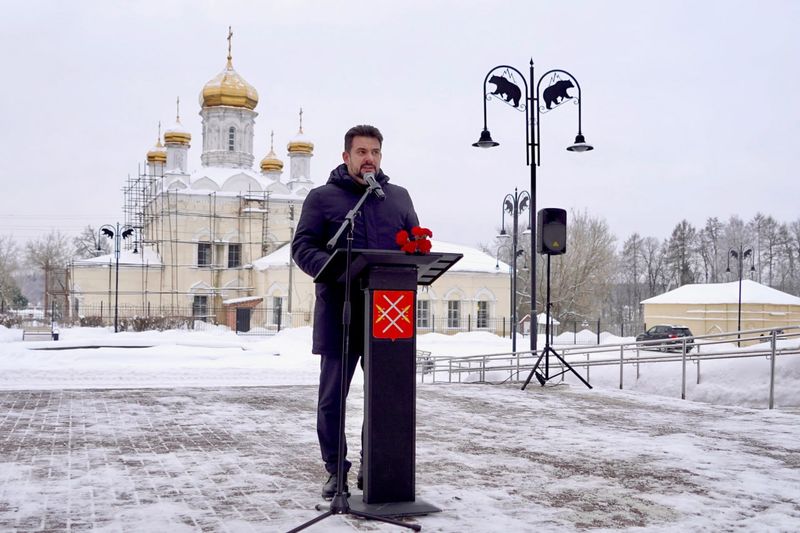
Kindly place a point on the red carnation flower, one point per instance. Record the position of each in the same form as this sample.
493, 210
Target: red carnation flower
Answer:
419, 232
410, 247
402, 237
424, 246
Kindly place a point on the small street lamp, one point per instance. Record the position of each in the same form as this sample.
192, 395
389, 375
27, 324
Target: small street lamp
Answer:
514, 205
507, 81
116, 232
740, 255
510, 285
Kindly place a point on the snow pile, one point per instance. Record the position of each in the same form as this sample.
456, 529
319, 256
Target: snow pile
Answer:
10, 335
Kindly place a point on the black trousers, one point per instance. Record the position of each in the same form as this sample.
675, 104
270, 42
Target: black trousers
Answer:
328, 407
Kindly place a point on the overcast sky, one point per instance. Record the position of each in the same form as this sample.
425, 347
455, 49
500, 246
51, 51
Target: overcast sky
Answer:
692, 107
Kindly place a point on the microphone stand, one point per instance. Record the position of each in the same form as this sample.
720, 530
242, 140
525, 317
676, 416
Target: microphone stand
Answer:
340, 504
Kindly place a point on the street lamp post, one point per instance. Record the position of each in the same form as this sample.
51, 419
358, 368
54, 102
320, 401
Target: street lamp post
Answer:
514, 205
510, 283
740, 255
507, 89
116, 232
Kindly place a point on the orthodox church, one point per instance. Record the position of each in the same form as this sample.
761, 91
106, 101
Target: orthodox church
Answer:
213, 244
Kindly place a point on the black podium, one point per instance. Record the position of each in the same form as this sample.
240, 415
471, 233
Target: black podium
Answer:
389, 280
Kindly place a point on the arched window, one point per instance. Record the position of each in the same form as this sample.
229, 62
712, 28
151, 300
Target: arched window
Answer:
231, 138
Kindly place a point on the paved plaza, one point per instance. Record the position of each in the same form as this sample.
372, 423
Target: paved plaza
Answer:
494, 458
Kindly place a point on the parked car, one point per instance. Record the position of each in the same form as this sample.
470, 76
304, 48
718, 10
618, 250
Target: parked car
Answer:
671, 335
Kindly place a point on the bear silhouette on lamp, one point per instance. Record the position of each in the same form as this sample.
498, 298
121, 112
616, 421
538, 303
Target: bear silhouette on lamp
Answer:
557, 93
509, 91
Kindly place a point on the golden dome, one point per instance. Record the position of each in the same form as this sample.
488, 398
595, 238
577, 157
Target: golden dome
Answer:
158, 154
176, 134
271, 163
228, 88
173, 136
300, 144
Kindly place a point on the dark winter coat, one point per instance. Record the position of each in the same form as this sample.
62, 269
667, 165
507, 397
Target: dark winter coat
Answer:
376, 227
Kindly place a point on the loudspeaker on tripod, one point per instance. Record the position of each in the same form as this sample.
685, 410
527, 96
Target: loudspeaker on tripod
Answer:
551, 231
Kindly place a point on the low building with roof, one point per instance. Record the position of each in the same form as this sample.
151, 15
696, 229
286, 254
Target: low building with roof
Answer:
708, 308
472, 295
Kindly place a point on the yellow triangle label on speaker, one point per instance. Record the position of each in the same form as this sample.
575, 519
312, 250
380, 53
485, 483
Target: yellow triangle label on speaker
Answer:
555, 244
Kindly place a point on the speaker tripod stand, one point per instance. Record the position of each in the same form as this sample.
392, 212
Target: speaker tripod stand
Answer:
544, 377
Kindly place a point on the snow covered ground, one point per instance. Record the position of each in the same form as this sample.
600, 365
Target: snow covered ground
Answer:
189, 431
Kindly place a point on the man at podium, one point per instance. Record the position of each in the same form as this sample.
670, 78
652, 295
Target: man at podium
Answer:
382, 215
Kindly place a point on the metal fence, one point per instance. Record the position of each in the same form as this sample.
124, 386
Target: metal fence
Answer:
262, 319
258, 320
449, 325
589, 331
689, 350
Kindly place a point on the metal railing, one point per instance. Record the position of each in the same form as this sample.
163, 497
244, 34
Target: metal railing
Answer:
695, 350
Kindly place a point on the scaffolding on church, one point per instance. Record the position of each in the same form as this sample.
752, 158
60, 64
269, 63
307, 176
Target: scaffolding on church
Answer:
160, 217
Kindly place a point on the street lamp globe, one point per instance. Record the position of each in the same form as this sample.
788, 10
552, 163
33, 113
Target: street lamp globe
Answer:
580, 145
485, 141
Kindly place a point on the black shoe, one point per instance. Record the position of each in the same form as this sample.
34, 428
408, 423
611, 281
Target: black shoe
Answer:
360, 478
329, 488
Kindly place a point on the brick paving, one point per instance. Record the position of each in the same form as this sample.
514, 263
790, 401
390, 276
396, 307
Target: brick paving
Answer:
246, 459
213, 460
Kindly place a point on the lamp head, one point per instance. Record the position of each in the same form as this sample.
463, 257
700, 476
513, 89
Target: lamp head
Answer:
580, 144
486, 140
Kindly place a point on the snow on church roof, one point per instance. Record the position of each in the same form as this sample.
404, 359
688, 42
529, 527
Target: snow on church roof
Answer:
474, 260
724, 293
237, 180
145, 256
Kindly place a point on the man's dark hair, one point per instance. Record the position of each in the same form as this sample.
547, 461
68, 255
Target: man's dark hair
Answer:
363, 130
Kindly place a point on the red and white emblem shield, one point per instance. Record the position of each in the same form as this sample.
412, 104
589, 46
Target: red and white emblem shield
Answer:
392, 313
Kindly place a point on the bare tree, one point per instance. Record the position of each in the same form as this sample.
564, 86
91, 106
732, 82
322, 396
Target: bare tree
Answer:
581, 279
708, 249
681, 249
768, 236
793, 254
632, 268
48, 253
88, 244
9, 291
654, 266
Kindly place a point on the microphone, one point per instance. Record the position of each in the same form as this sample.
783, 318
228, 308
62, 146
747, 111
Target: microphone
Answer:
374, 186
